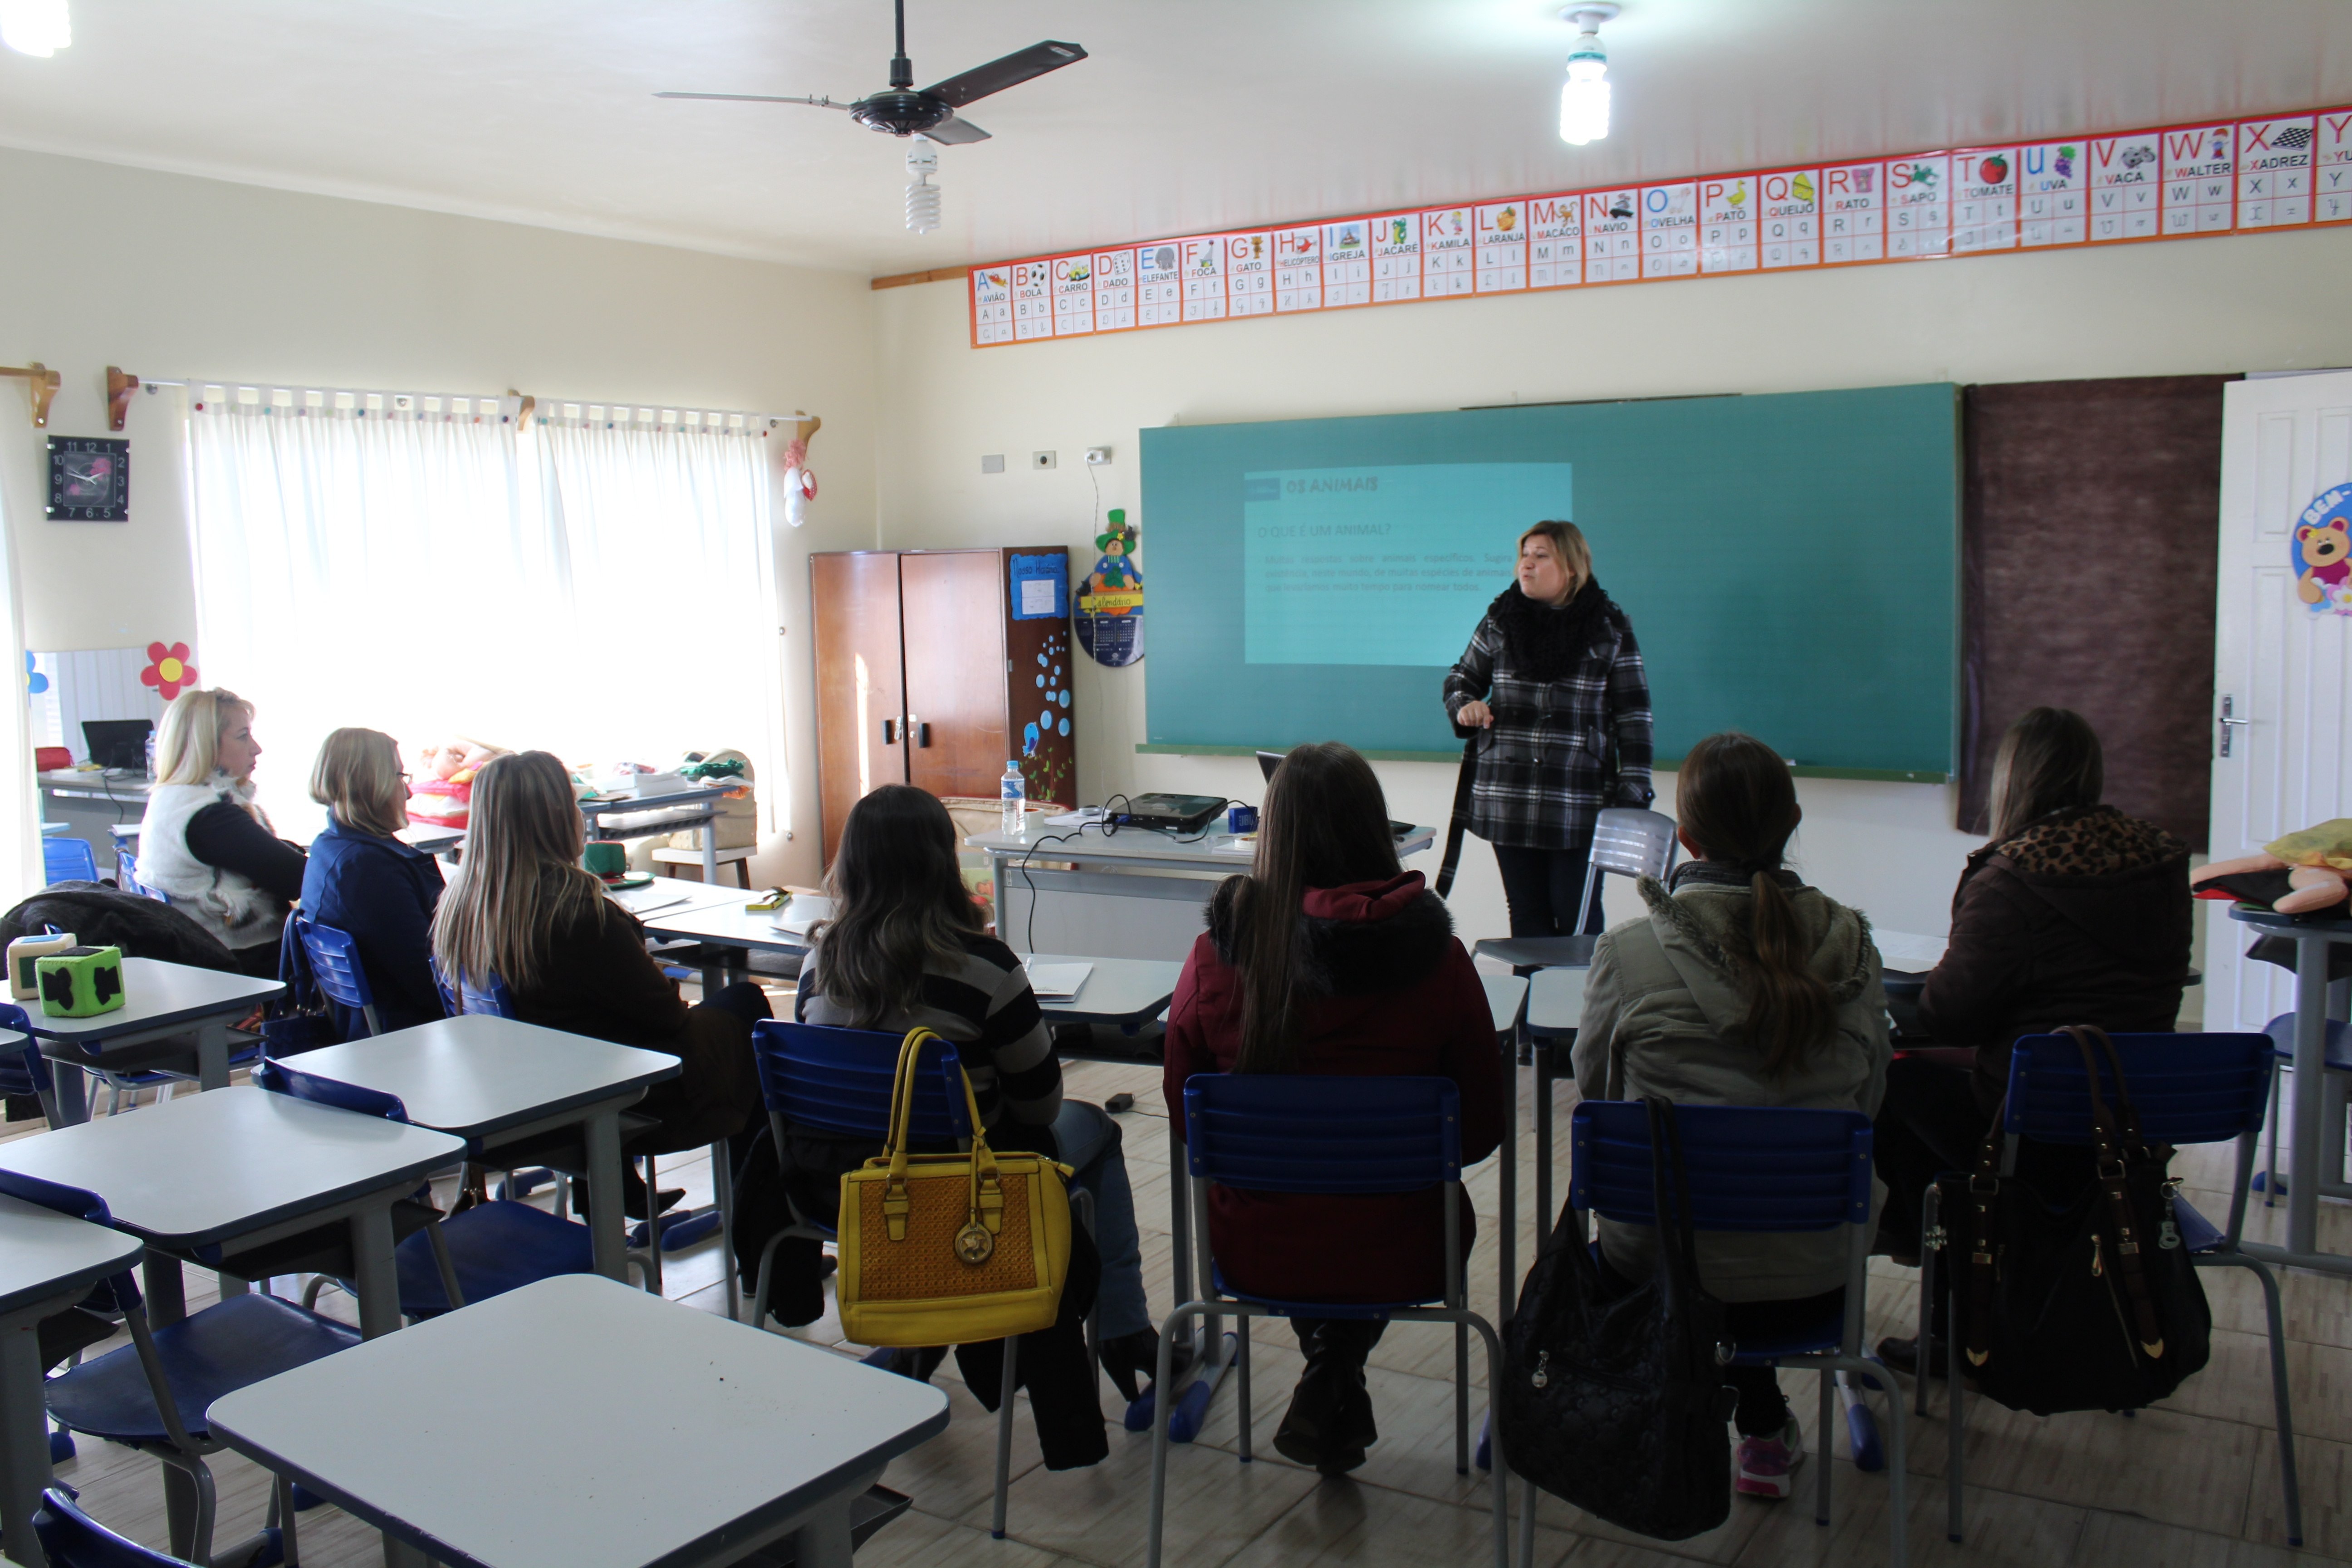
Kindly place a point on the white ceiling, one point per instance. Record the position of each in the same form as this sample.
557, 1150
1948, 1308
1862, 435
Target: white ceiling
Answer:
1190, 115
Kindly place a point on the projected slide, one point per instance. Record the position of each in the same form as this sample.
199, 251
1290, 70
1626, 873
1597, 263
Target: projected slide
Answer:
1383, 566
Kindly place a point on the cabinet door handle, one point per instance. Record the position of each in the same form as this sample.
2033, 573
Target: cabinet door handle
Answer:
889, 732
922, 734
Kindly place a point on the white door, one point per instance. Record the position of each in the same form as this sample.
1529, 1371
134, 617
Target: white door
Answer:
2282, 669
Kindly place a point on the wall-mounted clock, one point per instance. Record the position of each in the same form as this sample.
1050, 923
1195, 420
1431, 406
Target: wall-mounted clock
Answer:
89, 479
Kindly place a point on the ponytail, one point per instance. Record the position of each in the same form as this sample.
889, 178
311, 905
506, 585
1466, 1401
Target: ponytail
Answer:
1738, 802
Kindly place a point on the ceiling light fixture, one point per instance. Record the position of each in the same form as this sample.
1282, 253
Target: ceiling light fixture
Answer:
922, 197
1584, 97
35, 28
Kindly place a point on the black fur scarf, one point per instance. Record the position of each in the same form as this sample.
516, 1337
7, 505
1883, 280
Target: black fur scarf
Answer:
1542, 643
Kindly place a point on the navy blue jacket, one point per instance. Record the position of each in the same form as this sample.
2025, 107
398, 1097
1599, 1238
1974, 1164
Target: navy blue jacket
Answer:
382, 892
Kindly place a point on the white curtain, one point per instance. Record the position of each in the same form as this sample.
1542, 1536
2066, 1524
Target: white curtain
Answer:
20, 848
428, 567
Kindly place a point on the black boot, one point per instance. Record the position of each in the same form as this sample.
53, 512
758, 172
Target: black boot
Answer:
1903, 1355
1329, 1423
1131, 1357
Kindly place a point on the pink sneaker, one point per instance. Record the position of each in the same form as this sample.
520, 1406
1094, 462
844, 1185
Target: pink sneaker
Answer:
1766, 1464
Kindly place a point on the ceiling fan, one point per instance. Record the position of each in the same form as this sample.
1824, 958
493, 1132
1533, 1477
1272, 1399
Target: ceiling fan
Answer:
903, 111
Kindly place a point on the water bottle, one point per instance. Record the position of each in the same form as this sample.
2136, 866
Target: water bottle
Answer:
1012, 792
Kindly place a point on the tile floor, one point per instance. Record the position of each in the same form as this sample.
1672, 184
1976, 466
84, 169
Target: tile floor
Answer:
2191, 1484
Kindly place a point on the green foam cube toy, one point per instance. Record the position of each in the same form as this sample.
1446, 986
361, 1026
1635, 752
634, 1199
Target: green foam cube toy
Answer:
82, 981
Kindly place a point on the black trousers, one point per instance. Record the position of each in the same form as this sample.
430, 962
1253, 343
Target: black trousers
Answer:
1763, 1409
1930, 1123
1542, 886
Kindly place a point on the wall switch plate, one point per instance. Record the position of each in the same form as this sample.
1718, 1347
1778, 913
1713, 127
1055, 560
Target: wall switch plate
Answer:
1044, 460
994, 463
1097, 456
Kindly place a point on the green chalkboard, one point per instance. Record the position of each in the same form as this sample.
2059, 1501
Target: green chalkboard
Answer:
1788, 562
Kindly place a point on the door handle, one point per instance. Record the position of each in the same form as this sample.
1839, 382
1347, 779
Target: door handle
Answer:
2227, 723
889, 732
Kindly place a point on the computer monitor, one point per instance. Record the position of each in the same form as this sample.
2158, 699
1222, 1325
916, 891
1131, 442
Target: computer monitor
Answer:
118, 743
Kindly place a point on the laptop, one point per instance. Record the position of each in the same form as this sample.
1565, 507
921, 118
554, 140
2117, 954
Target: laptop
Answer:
1269, 761
118, 743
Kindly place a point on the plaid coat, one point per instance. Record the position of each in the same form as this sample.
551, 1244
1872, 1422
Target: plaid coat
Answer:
1559, 751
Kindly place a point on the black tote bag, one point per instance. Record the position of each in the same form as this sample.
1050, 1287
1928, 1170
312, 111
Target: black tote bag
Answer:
1613, 1397
2094, 1305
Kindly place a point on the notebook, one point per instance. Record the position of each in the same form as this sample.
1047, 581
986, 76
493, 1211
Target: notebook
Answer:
1907, 954
1058, 982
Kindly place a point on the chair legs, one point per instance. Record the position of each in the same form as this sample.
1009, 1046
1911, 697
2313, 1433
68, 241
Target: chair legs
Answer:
1898, 1454
1242, 1386
2290, 1483
1004, 1432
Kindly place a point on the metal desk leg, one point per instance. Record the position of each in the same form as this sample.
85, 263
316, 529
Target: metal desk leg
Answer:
211, 1053
1506, 1243
72, 1090
167, 1302
23, 1437
823, 1539
2310, 1068
607, 1229
1543, 1135
710, 852
379, 1283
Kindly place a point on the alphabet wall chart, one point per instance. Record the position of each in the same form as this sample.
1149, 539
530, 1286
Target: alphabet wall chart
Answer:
2288, 171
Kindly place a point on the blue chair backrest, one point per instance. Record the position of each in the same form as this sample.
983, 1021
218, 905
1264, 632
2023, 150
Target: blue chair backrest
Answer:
1752, 1168
2338, 1058
2187, 1089
23, 1070
494, 999
72, 1539
81, 1203
126, 872
68, 860
1301, 1133
838, 1081
335, 963
279, 1078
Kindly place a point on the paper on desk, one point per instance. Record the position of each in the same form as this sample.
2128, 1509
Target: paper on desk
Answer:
1234, 847
1906, 953
1058, 982
1075, 818
804, 911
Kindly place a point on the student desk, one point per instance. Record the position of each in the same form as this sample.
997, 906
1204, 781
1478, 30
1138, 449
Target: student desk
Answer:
683, 809
432, 837
48, 1262
728, 1439
163, 1002
494, 1081
2306, 1182
1128, 992
201, 1178
1158, 879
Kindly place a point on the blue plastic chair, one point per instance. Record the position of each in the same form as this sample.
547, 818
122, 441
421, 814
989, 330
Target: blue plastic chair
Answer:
336, 969
839, 1081
471, 1255
154, 1393
126, 873
68, 860
1332, 1136
72, 1539
2338, 1074
2186, 1088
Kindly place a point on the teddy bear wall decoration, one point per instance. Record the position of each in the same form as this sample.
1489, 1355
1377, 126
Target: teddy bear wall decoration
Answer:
2321, 552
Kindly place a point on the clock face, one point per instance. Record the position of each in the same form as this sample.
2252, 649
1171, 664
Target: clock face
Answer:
89, 479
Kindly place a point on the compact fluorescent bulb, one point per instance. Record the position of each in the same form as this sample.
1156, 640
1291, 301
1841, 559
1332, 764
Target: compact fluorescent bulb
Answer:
37, 28
1584, 97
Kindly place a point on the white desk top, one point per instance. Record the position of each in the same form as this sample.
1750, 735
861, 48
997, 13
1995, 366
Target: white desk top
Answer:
675, 895
728, 924
725, 1430
1218, 850
202, 1168
158, 993
1504, 994
1556, 1001
1119, 991
1906, 953
43, 1253
129, 786
477, 1076
433, 838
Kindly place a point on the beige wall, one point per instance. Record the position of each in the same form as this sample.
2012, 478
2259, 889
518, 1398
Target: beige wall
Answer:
177, 278
2258, 302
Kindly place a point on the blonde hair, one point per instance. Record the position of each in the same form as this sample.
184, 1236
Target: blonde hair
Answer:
1567, 542
2050, 760
188, 750
519, 879
358, 777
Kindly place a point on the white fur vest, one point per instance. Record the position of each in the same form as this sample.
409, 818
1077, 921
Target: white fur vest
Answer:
224, 903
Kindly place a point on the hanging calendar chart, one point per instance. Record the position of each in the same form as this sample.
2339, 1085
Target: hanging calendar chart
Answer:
2195, 179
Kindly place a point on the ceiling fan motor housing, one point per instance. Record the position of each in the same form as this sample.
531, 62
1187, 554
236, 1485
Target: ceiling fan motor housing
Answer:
900, 113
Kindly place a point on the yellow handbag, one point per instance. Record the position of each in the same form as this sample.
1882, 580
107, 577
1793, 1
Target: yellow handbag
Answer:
948, 1249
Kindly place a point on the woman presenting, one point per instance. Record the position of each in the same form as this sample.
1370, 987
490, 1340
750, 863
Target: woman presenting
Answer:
1552, 696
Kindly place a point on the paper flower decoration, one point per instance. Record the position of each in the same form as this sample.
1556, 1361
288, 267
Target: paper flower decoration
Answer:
34, 681
168, 670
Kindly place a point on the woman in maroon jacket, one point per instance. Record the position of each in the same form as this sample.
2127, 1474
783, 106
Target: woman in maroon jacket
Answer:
1330, 958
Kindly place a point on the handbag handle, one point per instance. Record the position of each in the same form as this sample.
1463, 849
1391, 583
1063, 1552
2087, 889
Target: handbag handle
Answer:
1671, 1203
2112, 1170
984, 1192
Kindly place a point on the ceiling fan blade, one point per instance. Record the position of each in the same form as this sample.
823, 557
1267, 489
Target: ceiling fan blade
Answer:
1010, 72
753, 98
952, 130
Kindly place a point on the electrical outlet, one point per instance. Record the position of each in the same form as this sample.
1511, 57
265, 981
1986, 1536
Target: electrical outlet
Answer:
1097, 456
994, 463
1044, 460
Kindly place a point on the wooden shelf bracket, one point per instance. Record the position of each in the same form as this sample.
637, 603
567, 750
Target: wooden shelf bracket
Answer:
42, 383
120, 385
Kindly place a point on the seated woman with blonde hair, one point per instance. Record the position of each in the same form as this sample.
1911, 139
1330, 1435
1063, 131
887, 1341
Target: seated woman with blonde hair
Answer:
364, 882
204, 842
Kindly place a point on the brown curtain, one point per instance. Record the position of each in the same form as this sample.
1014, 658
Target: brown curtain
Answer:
2089, 526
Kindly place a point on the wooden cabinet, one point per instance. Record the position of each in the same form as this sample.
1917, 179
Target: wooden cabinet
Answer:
926, 674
